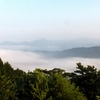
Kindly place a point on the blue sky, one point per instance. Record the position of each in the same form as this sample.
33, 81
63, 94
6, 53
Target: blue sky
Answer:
27, 20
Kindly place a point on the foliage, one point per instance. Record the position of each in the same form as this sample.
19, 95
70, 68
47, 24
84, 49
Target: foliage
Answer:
62, 89
39, 88
88, 80
44, 84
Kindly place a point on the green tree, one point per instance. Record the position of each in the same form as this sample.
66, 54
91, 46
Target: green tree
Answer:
88, 80
39, 88
37, 85
7, 84
60, 88
7, 89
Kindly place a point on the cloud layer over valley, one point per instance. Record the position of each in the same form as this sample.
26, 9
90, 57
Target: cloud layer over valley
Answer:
30, 60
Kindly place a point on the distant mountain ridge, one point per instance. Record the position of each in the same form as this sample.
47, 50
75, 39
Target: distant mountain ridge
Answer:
86, 48
52, 45
83, 52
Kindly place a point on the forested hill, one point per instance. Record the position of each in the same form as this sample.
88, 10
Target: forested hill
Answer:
55, 84
89, 52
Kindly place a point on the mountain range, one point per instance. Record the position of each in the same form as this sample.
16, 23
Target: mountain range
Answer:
83, 52
50, 45
86, 48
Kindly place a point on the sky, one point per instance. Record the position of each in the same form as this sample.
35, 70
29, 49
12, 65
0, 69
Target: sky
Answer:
28, 20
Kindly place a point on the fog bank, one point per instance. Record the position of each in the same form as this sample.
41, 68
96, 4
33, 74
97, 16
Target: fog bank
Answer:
30, 60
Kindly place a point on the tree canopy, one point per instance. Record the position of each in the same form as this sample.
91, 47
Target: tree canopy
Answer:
37, 85
88, 80
55, 84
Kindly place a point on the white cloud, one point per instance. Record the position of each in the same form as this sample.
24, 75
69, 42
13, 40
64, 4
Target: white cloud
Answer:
29, 61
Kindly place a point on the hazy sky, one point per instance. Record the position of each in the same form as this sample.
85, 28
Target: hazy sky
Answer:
52, 19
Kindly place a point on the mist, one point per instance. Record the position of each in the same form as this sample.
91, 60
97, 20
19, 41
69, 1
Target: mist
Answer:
28, 61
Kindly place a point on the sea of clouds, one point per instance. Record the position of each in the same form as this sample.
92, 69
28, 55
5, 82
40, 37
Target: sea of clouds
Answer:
28, 61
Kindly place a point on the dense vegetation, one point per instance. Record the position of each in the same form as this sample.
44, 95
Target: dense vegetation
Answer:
55, 84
